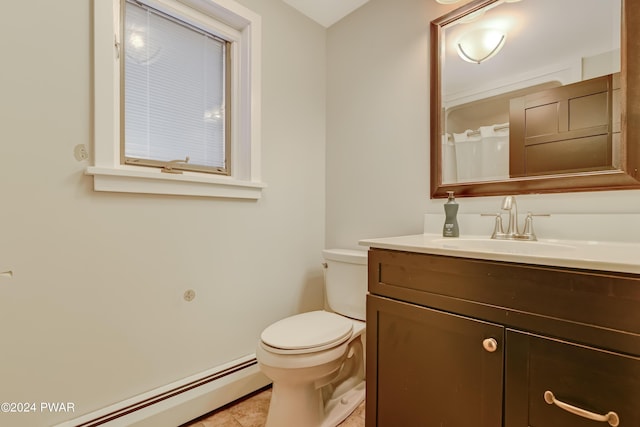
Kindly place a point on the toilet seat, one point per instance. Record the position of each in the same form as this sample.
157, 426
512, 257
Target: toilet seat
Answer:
307, 333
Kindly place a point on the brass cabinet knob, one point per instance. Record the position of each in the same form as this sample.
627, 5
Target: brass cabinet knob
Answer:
490, 344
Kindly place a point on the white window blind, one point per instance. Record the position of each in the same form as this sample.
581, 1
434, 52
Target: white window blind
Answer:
174, 92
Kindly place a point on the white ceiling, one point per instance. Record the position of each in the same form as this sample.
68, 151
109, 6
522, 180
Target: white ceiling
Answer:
326, 12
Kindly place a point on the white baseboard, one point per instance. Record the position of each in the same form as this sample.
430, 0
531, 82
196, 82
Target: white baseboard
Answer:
181, 401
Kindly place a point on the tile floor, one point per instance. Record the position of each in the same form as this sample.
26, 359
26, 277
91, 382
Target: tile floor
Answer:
252, 412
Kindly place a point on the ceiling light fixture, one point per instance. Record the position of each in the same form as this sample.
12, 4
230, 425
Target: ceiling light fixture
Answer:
479, 45
447, 1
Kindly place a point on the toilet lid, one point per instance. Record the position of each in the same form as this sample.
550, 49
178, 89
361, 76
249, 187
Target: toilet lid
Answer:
308, 331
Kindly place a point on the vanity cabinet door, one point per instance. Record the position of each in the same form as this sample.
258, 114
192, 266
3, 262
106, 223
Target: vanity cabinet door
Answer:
543, 376
430, 368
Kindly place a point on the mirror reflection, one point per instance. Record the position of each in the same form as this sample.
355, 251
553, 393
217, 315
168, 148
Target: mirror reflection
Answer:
531, 88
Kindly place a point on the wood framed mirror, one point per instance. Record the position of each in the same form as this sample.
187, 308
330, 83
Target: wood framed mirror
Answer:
513, 101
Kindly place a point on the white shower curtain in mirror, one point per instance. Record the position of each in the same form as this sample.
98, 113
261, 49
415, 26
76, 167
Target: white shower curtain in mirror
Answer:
482, 155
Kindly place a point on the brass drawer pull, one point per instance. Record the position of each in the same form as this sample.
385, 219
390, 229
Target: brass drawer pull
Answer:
611, 417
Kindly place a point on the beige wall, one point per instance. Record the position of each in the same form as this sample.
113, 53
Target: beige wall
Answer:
94, 313
378, 130
377, 121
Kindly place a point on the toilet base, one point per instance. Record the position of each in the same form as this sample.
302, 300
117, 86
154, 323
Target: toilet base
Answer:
337, 410
304, 407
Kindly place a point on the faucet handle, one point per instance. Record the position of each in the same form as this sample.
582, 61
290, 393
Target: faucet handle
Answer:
528, 226
497, 229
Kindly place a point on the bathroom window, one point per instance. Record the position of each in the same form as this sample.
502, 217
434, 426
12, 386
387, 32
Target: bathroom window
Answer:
177, 98
174, 93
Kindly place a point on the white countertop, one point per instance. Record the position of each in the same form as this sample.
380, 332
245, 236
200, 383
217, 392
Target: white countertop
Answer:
592, 255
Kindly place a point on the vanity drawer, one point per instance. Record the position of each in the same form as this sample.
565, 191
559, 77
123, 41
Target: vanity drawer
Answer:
547, 300
596, 381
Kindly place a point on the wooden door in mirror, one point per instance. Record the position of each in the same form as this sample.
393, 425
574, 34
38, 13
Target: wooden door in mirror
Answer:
567, 129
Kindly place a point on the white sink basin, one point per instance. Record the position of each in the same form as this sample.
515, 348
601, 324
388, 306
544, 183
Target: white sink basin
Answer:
523, 247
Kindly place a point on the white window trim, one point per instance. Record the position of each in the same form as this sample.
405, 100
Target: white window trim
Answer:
109, 175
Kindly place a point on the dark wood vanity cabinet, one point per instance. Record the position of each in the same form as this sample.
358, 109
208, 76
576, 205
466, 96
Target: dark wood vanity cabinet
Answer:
461, 342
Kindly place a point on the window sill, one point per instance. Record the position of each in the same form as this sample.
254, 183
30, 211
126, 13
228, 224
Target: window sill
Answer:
142, 180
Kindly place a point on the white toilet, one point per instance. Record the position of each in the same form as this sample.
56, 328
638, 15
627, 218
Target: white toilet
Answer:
316, 359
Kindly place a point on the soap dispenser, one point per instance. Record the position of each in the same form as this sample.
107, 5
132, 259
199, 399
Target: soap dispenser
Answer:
450, 228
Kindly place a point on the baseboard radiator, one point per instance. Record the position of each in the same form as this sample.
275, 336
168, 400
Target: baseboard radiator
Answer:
181, 401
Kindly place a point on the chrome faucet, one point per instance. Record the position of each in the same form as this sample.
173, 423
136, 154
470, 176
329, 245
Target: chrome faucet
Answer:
509, 204
513, 231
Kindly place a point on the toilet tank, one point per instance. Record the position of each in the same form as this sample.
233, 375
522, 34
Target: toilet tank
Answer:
346, 281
